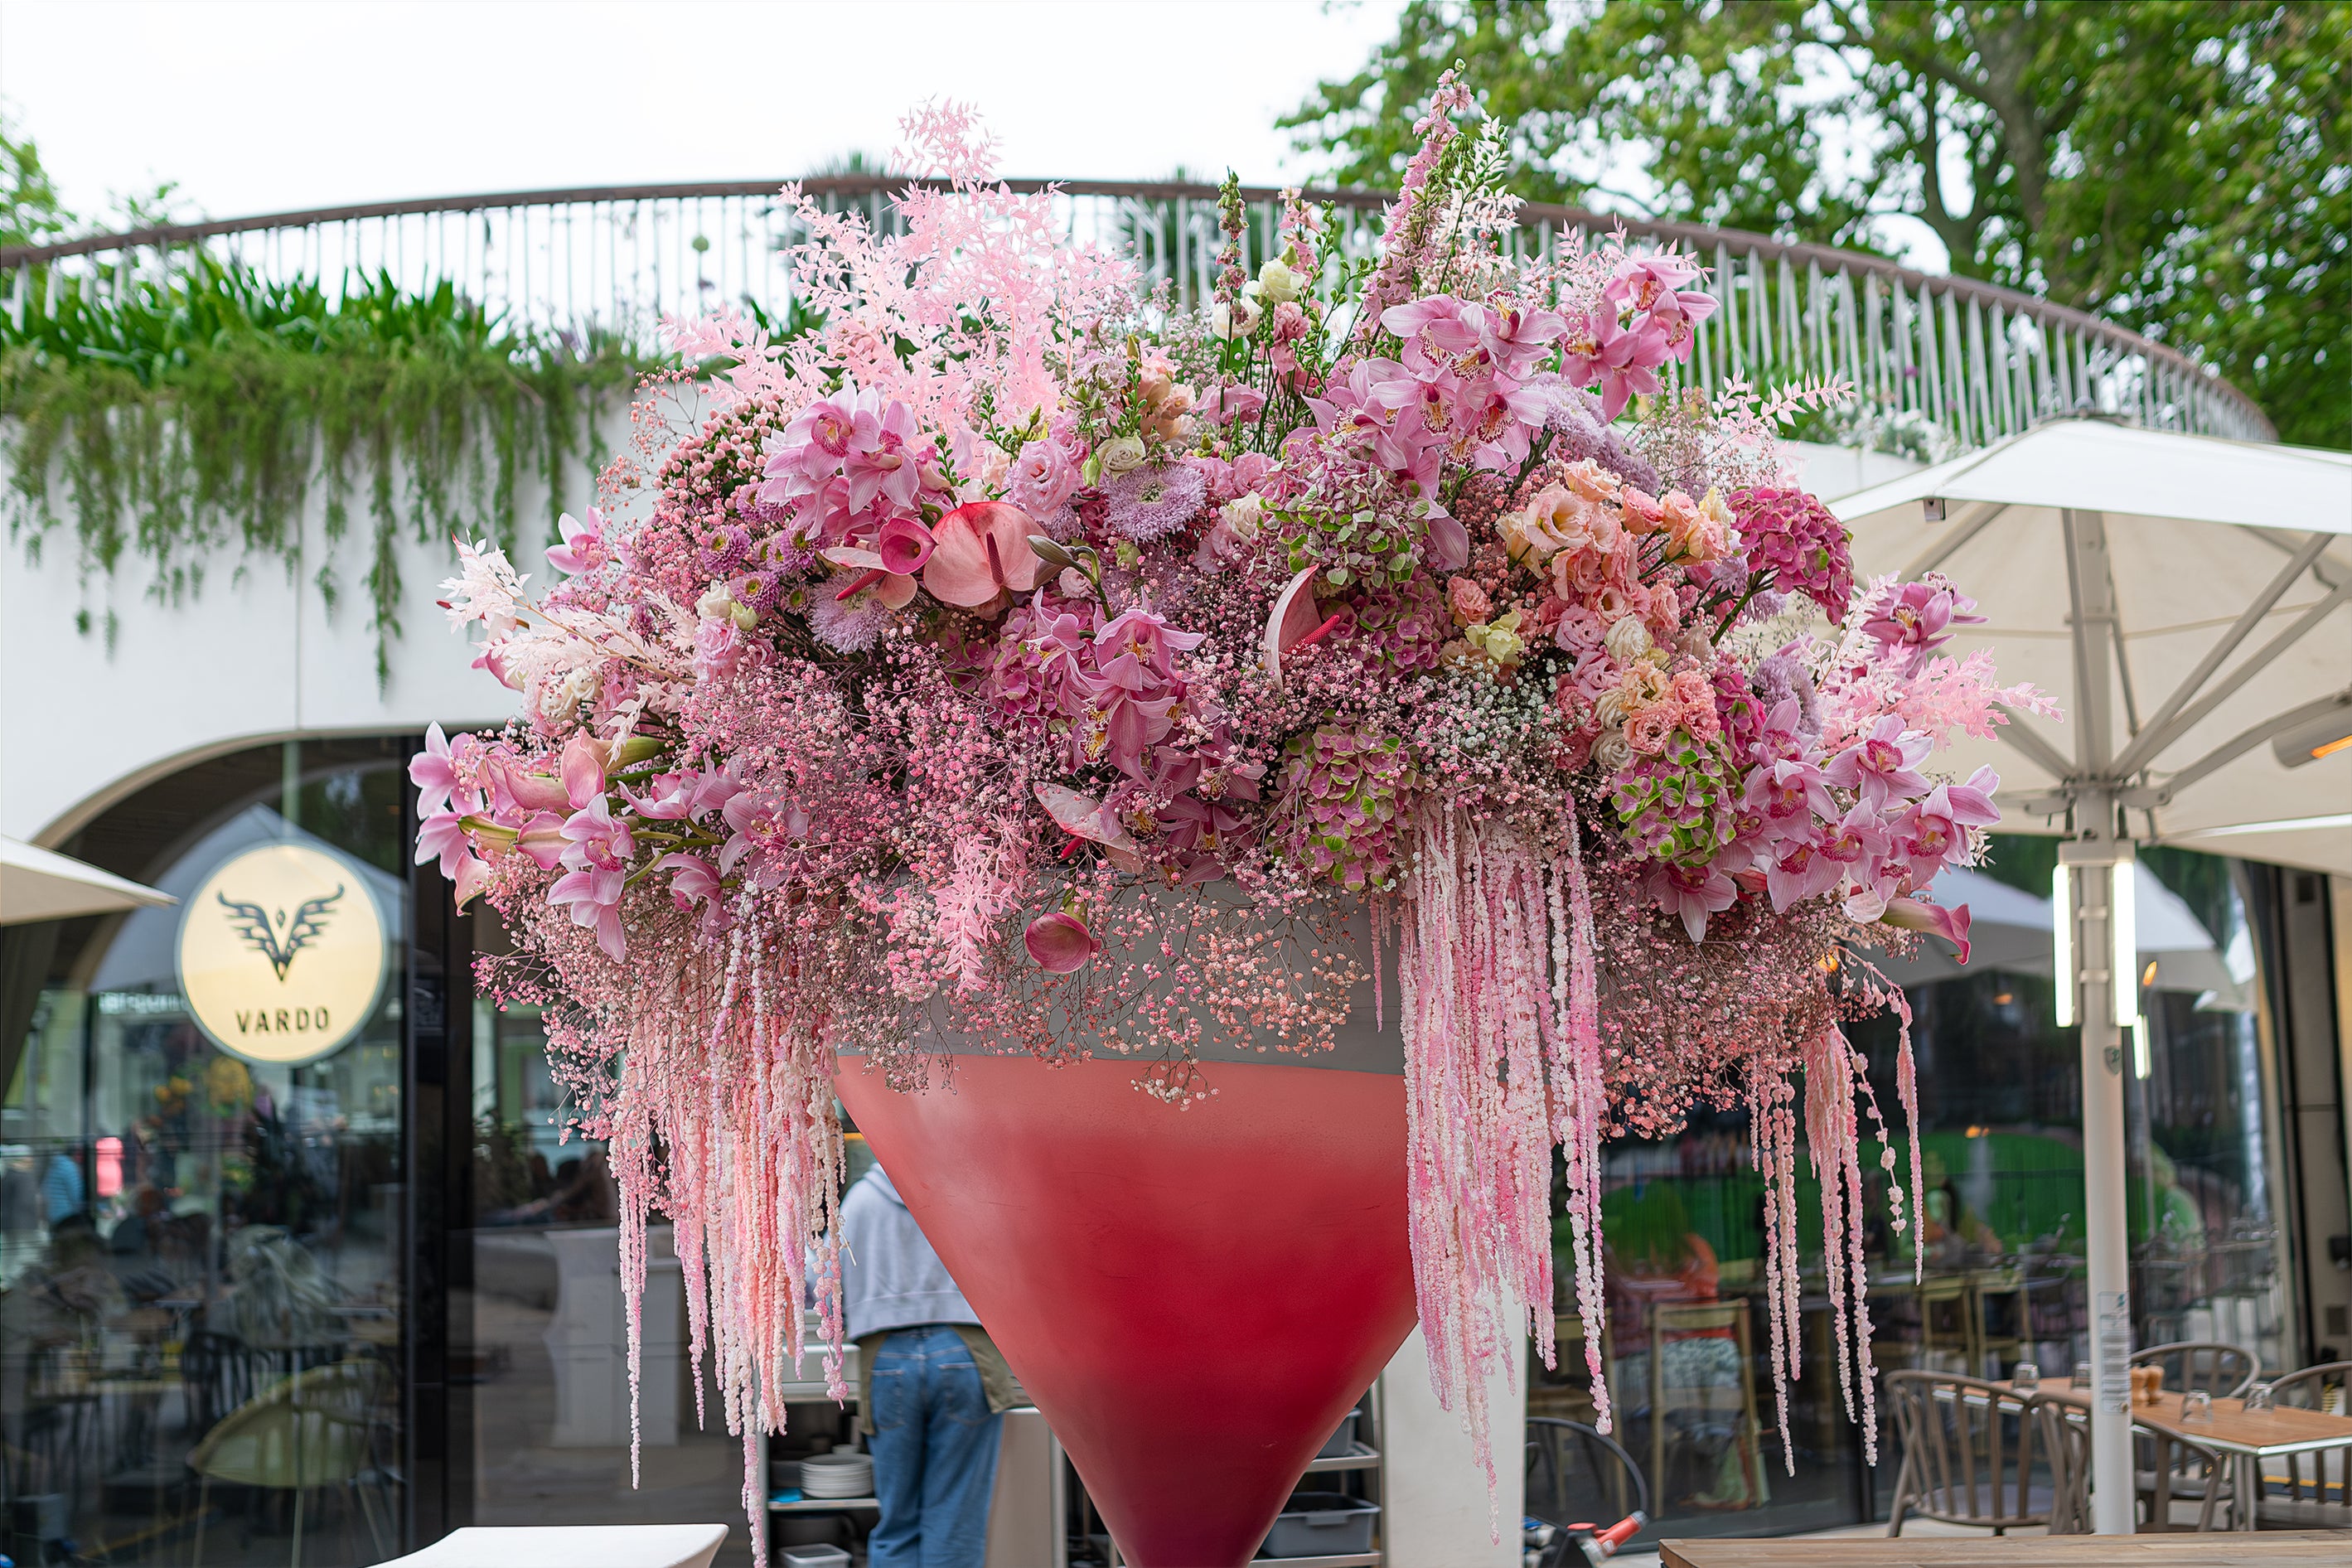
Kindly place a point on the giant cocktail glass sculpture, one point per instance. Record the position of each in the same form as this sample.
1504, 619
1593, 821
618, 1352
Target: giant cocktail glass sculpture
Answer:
1015, 659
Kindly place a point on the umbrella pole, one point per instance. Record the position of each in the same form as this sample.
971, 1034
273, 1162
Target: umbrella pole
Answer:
2094, 863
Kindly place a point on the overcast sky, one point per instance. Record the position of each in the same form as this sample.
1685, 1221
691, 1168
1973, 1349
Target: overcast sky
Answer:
256, 107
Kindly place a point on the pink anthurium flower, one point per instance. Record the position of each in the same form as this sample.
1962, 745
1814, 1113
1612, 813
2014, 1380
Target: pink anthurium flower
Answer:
1060, 944
1082, 816
904, 544
583, 770
543, 839
513, 789
1918, 914
980, 550
1289, 623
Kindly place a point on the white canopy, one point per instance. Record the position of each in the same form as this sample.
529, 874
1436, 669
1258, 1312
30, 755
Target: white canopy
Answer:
2010, 931
2188, 603
2214, 581
41, 885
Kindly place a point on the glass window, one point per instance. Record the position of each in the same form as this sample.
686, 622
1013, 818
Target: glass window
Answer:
201, 1278
2002, 1276
544, 1324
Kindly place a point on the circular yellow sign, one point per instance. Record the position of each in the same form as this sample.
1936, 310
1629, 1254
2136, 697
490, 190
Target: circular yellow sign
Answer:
282, 954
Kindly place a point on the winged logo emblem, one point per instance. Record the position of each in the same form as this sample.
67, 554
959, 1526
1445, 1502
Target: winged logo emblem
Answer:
278, 942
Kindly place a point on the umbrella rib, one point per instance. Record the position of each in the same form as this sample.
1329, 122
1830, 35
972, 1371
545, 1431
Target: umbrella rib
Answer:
1968, 528
2153, 742
2222, 649
2039, 751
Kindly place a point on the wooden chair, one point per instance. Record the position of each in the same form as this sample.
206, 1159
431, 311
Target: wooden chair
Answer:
2064, 1433
1961, 1463
2208, 1366
2189, 1471
2306, 1504
1987, 1285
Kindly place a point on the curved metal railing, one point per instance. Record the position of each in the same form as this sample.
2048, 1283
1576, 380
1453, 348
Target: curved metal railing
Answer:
1941, 364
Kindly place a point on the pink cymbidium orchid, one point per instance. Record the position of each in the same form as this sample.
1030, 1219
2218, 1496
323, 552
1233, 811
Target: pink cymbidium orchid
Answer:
593, 894
584, 550
443, 769
1692, 893
1884, 764
594, 837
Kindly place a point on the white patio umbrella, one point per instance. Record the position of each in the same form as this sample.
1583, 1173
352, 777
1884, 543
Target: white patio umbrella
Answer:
42, 885
2190, 603
2009, 931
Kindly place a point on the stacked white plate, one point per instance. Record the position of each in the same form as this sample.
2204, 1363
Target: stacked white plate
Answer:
837, 1475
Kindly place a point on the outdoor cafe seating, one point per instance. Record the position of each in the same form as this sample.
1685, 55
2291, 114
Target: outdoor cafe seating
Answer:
2243, 1455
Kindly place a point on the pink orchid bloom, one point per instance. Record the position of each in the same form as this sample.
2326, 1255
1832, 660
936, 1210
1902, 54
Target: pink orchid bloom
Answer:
1861, 849
1883, 765
597, 838
1789, 794
981, 550
582, 549
761, 823
1918, 914
1917, 617
442, 768
1597, 349
1933, 833
1692, 893
694, 881
594, 896
1517, 340
1060, 944
443, 835
1800, 871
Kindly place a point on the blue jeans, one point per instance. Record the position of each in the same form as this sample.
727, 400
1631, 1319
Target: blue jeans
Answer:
934, 1452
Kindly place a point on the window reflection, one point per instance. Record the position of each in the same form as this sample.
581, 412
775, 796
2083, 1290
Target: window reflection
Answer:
544, 1319
200, 1255
1993, 1271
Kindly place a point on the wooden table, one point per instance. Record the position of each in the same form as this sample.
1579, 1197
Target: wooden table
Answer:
2014, 1552
2246, 1437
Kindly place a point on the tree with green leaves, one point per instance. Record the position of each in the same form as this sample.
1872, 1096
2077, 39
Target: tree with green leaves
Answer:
2181, 166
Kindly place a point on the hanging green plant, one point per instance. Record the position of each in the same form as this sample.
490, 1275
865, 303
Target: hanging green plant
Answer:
175, 408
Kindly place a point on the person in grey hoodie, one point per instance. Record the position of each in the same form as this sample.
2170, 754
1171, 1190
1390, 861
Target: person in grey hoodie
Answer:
932, 1387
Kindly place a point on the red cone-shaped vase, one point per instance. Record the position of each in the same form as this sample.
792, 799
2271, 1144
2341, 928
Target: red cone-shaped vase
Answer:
1193, 1296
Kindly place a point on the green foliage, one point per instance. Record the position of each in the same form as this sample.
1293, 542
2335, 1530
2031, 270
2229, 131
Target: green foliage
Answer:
172, 410
2177, 165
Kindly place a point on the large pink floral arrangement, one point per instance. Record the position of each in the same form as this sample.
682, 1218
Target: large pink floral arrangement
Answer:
1019, 658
